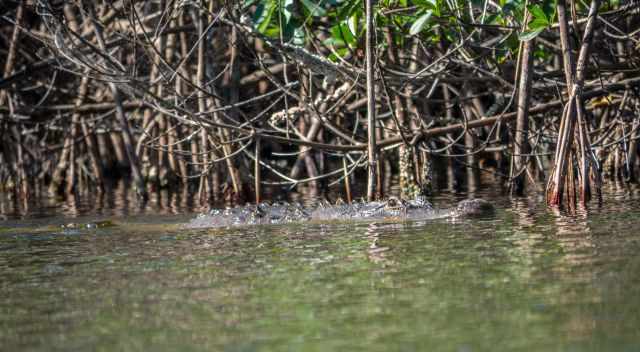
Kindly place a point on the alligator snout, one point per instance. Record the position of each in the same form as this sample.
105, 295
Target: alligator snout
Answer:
475, 207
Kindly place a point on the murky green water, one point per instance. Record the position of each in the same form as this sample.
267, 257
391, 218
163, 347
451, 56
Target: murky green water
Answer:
525, 280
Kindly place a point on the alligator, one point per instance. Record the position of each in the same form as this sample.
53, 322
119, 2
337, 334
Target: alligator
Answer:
392, 209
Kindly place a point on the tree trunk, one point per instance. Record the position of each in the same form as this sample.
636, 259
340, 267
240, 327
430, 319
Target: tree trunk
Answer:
372, 150
521, 143
127, 136
570, 140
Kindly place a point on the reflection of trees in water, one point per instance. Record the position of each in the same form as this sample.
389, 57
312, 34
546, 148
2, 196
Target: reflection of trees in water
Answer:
557, 246
585, 252
573, 234
10, 205
375, 251
579, 269
525, 237
535, 224
618, 194
119, 200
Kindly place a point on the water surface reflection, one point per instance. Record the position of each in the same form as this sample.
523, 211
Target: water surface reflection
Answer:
527, 279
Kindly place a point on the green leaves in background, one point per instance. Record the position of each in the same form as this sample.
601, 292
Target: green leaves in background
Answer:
530, 34
341, 35
271, 17
543, 16
419, 24
435, 6
513, 9
342, 20
315, 8
263, 15
289, 18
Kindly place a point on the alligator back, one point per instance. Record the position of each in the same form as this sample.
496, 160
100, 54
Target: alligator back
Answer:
261, 214
389, 210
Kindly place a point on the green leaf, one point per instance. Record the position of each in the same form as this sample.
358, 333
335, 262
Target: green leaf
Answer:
352, 23
530, 34
287, 9
298, 36
342, 52
493, 18
263, 14
538, 23
426, 3
432, 5
419, 24
272, 32
538, 13
315, 9
349, 9
514, 8
333, 41
248, 3
341, 35
549, 7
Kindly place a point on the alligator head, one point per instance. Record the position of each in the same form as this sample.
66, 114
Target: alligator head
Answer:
474, 207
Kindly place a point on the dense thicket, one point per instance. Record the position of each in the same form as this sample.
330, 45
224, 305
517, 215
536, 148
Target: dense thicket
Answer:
231, 95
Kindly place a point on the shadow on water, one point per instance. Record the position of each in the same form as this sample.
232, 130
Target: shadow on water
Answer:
526, 279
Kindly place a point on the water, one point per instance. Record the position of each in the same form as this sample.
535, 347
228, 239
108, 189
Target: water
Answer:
525, 280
